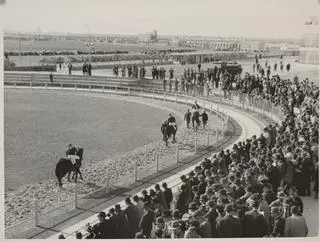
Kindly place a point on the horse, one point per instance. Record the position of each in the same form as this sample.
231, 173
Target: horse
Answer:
168, 130
196, 117
65, 166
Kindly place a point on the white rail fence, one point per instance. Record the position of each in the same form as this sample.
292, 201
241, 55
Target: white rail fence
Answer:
210, 102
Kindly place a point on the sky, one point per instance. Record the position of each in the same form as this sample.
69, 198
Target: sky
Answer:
236, 18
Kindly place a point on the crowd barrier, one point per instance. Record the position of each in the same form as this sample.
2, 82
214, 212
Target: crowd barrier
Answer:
179, 99
210, 101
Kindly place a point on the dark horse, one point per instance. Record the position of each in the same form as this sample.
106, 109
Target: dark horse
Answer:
65, 166
196, 118
168, 130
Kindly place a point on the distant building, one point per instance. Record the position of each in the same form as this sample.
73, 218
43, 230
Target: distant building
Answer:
309, 50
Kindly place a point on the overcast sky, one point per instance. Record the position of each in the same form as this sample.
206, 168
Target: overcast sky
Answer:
252, 18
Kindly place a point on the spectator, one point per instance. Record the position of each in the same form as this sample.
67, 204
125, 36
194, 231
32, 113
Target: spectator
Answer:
277, 222
132, 213
254, 224
161, 198
168, 196
78, 235
295, 225
182, 200
229, 226
147, 221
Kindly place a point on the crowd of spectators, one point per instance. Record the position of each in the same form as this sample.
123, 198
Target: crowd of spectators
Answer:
252, 190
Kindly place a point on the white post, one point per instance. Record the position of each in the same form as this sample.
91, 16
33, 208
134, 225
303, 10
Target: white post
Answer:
152, 94
177, 153
128, 90
90, 86
195, 145
222, 128
208, 139
108, 181
135, 171
36, 219
157, 160
217, 134
75, 196
141, 92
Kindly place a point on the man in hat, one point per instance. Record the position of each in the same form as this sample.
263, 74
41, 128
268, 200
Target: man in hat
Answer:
132, 213
147, 220
229, 226
114, 224
101, 229
183, 200
168, 196
277, 222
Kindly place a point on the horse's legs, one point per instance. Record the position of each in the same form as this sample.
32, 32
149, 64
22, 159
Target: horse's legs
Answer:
69, 176
80, 174
60, 183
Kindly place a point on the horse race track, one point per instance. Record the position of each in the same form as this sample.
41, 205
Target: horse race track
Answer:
40, 124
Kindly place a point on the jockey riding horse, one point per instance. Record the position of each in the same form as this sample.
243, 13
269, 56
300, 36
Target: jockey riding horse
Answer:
172, 121
71, 153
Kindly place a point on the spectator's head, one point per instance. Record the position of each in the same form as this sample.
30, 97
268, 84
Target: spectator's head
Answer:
164, 185
192, 206
144, 193
281, 195
157, 187
158, 233
146, 206
117, 207
254, 204
229, 208
136, 198
183, 187
128, 201
101, 216
160, 223
176, 215
294, 210
78, 235
61, 236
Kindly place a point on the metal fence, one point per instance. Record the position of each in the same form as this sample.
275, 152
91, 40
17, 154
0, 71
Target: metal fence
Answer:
158, 162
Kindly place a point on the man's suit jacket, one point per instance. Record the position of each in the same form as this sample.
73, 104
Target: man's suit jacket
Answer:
229, 227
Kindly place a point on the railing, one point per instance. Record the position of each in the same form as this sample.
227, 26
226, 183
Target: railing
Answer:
211, 102
157, 165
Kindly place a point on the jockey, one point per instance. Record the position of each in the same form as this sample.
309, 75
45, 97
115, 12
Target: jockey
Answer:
71, 153
172, 121
196, 108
